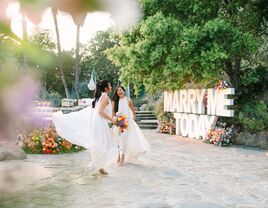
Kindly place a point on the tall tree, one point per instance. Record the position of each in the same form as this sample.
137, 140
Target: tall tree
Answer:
180, 42
60, 65
95, 58
41, 43
42, 38
79, 21
77, 61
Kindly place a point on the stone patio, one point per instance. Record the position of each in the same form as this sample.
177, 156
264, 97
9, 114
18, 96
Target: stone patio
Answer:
177, 172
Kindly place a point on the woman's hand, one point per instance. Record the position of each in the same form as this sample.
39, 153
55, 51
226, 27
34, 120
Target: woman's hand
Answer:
114, 120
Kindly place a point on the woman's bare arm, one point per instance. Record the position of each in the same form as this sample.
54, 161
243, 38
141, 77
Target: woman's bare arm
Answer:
104, 102
131, 106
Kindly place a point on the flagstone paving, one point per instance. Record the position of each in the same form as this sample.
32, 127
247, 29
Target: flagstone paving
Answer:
177, 172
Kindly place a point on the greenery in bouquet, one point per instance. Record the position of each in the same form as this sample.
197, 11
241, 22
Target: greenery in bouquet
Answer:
166, 123
46, 141
220, 135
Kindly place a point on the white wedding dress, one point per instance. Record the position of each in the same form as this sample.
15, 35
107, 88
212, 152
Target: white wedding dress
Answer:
87, 128
131, 142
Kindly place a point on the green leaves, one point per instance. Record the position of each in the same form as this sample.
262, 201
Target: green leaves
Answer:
6, 31
96, 58
138, 59
42, 39
181, 42
254, 116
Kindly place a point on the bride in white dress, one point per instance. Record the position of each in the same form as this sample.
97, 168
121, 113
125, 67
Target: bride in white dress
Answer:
131, 142
89, 128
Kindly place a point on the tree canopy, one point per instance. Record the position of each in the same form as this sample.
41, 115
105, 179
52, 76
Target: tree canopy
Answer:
95, 57
181, 42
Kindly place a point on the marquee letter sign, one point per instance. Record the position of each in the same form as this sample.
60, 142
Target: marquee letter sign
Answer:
193, 118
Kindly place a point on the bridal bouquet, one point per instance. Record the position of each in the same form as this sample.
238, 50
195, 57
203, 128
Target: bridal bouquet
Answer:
121, 122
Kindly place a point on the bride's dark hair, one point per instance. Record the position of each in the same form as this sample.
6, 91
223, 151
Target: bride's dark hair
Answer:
116, 98
100, 87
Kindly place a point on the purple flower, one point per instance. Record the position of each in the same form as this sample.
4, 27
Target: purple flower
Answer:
17, 103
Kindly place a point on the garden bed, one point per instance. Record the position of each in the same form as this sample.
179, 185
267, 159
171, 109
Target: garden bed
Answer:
46, 141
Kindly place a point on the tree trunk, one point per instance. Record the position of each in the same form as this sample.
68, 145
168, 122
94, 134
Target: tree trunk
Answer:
54, 13
77, 61
233, 70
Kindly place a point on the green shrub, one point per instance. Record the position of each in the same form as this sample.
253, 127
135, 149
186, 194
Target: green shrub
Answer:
253, 85
159, 108
55, 99
137, 102
150, 107
254, 116
251, 98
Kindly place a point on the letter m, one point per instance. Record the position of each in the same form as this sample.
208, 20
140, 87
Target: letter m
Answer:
168, 100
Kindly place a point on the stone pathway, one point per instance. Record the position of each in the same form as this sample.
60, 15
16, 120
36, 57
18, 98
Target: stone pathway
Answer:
178, 172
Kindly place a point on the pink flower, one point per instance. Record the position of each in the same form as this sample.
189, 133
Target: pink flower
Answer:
16, 99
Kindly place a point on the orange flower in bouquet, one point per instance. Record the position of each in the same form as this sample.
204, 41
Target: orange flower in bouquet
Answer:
66, 144
121, 122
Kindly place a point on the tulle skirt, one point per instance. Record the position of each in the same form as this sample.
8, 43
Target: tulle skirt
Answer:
88, 129
131, 142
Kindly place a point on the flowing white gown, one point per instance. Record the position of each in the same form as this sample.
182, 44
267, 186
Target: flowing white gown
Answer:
132, 141
87, 128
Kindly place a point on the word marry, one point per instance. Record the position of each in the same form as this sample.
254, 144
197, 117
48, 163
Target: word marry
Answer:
192, 101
